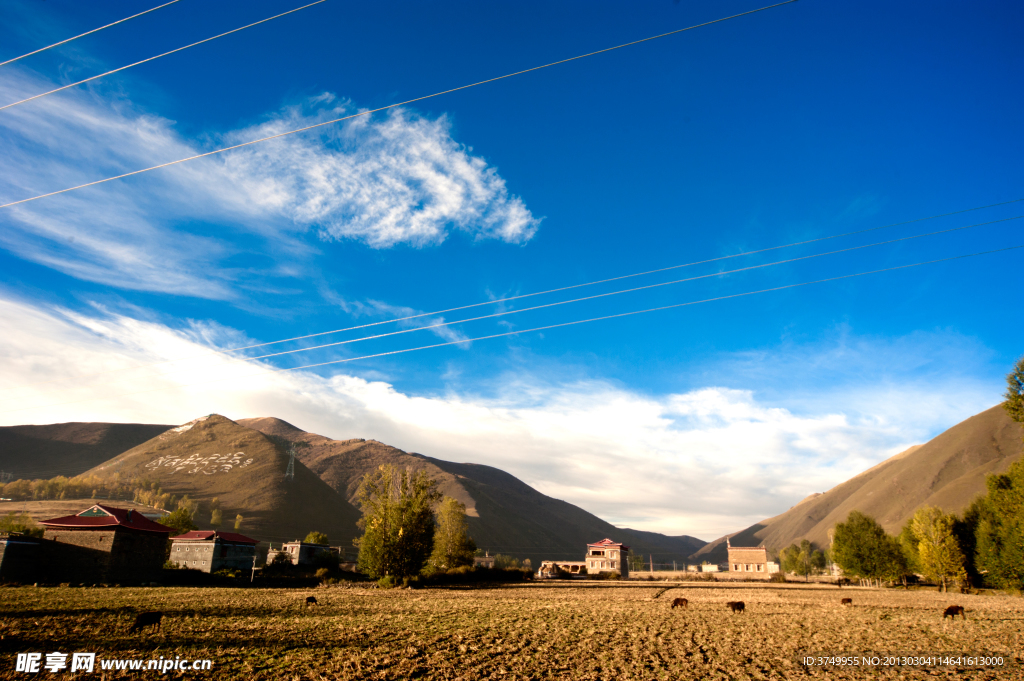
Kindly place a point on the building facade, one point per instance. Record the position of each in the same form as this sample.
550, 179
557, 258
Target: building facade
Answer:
554, 568
750, 561
209, 551
19, 558
607, 556
300, 552
103, 544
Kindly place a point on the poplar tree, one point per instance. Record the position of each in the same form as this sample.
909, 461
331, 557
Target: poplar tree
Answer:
397, 522
1014, 394
453, 546
938, 551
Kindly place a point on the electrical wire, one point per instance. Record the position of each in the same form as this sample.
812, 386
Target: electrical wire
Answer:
382, 108
525, 331
601, 295
91, 78
82, 35
521, 296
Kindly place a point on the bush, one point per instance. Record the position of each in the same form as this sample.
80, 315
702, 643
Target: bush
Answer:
478, 574
322, 573
778, 578
387, 582
608, 576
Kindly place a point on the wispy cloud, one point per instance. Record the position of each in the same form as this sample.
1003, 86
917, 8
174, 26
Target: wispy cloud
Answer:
702, 461
380, 181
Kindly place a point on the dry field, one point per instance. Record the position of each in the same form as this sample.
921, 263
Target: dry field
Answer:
599, 631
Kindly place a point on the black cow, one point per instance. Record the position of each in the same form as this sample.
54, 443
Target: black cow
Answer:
146, 619
737, 606
681, 602
953, 611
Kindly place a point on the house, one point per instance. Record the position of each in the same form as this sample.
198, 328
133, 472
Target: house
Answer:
103, 544
607, 556
209, 551
300, 552
553, 568
750, 561
486, 560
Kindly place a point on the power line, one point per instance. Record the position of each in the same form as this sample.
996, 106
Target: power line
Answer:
86, 80
532, 330
604, 295
372, 111
527, 295
82, 35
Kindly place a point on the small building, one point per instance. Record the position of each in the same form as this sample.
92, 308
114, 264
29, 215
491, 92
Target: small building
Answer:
209, 551
549, 569
104, 544
486, 560
300, 552
750, 561
607, 556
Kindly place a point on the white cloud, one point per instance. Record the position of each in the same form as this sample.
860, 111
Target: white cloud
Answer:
701, 462
390, 179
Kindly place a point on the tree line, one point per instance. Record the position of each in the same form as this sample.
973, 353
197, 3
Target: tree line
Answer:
984, 546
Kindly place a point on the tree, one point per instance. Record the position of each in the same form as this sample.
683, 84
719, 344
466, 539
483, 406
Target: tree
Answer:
216, 518
238, 521
862, 548
636, 561
180, 520
503, 562
316, 538
397, 522
938, 550
452, 545
998, 520
1014, 394
801, 560
22, 523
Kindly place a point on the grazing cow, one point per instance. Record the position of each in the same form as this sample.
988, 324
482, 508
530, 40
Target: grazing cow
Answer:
146, 619
311, 600
953, 611
737, 606
681, 602
846, 601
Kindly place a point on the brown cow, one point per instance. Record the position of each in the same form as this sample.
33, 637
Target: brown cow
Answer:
681, 602
146, 619
311, 600
737, 606
846, 601
953, 611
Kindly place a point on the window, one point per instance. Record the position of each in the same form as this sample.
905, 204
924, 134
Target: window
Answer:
760, 568
747, 567
736, 567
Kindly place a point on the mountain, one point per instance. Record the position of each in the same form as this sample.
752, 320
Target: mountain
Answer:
67, 448
214, 457
948, 472
505, 514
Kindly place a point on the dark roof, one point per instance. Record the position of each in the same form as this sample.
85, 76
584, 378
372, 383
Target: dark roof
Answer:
609, 542
100, 517
208, 535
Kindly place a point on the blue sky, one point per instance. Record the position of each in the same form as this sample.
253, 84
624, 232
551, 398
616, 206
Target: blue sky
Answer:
803, 121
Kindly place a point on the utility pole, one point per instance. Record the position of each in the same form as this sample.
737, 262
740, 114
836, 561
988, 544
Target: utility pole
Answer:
253, 578
652, 563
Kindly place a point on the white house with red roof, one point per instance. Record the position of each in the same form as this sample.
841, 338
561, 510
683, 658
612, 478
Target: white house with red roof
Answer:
105, 544
210, 550
607, 556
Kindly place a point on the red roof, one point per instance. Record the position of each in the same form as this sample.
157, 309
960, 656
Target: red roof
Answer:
101, 517
609, 542
208, 535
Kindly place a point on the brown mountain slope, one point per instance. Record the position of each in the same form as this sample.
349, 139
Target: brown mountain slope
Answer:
216, 457
505, 514
67, 448
948, 472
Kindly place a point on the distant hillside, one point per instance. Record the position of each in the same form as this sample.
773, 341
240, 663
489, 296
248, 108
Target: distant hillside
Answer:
948, 472
216, 457
505, 514
67, 448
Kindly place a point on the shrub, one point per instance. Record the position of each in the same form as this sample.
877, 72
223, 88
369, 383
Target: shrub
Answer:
387, 582
778, 578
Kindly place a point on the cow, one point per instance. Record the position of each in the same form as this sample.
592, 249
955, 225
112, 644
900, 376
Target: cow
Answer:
953, 611
311, 600
846, 601
681, 602
736, 606
146, 619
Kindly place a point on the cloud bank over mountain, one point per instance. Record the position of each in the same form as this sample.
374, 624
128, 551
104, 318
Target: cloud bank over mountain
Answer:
701, 462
